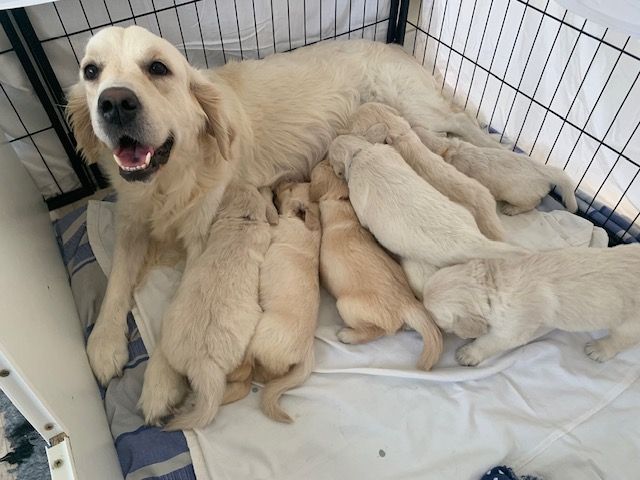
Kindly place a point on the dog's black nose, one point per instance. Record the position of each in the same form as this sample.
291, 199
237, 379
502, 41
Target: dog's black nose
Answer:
118, 105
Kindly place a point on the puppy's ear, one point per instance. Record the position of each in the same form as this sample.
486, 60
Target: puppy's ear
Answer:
79, 117
471, 326
377, 133
271, 211
221, 119
311, 219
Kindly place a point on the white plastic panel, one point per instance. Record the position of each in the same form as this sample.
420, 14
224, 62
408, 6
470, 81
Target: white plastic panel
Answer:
41, 343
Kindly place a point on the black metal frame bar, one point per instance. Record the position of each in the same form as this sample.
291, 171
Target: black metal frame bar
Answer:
24, 42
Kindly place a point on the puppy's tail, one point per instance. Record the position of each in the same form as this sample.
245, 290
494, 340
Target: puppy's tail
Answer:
274, 389
565, 186
208, 382
420, 320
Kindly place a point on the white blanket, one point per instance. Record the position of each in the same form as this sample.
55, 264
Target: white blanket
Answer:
366, 412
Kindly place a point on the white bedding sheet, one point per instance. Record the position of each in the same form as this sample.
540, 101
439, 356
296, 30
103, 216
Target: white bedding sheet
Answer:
367, 413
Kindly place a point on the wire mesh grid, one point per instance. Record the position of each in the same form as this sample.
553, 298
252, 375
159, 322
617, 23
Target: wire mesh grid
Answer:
558, 87
208, 32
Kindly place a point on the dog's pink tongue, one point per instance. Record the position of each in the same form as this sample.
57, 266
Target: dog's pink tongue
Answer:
133, 156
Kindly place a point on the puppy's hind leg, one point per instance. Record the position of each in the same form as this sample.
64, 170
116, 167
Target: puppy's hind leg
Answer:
487, 346
362, 327
162, 390
238, 383
620, 338
208, 382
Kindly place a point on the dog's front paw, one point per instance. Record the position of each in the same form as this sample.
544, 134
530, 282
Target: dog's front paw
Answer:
107, 352
598, 351
467, 356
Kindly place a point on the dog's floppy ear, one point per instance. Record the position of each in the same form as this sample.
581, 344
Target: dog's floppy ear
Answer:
79, 117
471, 326
307, 215
271, 211
221, 122
377, 133
311, 219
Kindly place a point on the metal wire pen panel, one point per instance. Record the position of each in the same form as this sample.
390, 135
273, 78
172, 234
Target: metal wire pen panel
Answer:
26, 126
562, 88
208, 32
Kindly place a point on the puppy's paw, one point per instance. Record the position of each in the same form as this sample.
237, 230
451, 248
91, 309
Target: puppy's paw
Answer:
511, 210
598, 351
467, 356
107, 352
162, 391
348, 335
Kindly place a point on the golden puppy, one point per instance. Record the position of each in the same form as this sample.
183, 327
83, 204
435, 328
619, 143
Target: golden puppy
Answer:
372, 293
512, 178
281, 351
213, 316
445, 178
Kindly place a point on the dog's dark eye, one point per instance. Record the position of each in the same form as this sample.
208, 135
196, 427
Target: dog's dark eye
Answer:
158, 68
91, 72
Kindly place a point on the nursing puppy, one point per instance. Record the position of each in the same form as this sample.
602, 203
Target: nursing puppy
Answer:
514, 179
445, 178
281, 350
407, 215
503, 303
373, 297
213, 316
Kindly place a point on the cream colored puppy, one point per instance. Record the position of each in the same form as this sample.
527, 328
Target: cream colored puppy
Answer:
373, 297
503, 303
448, 180
281, 351
512, 178
407, 215
213, 316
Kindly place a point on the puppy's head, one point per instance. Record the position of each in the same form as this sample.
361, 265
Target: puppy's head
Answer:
293, 200
369, 118
139, 98
342, 151
325, 184
457, 299
243, 202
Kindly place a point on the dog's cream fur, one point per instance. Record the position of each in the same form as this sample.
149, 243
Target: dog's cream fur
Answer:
503, 303
253, 120
373, 297
512, 178
445, 178
406, 214
210, 322
281, 351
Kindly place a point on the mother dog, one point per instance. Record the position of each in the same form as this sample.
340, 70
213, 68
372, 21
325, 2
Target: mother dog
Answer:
178, 135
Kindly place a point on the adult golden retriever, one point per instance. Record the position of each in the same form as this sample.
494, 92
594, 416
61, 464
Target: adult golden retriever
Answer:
179, 135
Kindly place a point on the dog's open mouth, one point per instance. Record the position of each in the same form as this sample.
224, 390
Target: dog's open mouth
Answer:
137, 161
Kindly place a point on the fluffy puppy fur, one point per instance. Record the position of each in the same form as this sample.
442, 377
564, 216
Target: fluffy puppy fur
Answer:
373, 297
514, 179
250, 120
503, 303
213, 316
406, 214
429, 165
281, 351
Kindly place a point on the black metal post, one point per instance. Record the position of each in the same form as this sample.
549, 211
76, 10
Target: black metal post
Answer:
35, 63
